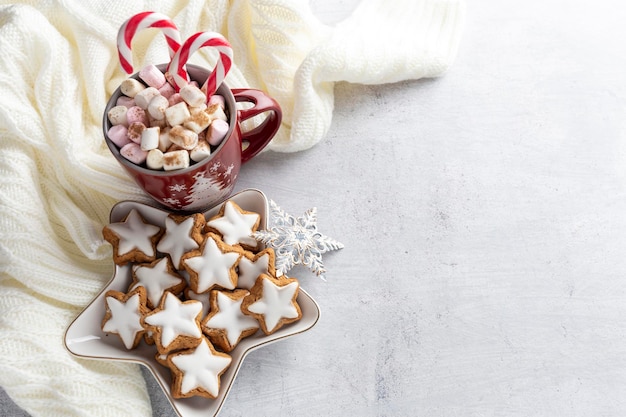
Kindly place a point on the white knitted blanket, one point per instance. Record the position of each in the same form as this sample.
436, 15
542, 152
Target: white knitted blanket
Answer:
58, 66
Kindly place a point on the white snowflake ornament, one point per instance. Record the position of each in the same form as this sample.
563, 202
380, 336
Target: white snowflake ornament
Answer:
296, 241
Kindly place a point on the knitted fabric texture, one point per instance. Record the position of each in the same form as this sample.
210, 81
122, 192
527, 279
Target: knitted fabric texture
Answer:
59, 65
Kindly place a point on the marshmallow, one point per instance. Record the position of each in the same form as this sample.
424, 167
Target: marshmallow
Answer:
154, 122
135, 130
150, 138
154, 160
201, 107
133, 153
175, 99
125, 101
130, 87
164, 139
117, 115
175, 160
136, 115
216, 111
173, 147
192, 95
217, 99
144, 97
217, 132
177, 114
152, 76
157, 107
197, 121
118, 134
167, 90
185, 138
200, 152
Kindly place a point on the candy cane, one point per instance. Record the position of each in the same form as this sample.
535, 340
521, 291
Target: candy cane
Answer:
139, 22
191, 45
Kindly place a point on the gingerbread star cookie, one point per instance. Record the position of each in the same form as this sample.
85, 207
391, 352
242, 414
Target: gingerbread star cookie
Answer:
226, 324
213, 265
182, 234
133, 239
123, 315
157, 277
251, 266
235, 225
175, 324
272, 301
197, 371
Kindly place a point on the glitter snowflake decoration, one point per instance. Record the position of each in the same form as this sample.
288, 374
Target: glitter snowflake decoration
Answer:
296, 241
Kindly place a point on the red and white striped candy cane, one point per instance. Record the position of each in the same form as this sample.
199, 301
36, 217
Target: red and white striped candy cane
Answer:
191, 45
139, 22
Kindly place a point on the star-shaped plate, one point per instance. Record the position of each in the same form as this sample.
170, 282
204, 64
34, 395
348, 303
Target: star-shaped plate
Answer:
84, 337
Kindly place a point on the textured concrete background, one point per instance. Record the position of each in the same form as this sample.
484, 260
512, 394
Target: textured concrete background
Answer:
483, 218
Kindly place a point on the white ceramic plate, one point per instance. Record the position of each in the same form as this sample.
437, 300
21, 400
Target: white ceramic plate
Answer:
84, 337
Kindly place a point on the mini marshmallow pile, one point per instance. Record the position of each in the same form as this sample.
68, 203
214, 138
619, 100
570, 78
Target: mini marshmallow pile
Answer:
152, 124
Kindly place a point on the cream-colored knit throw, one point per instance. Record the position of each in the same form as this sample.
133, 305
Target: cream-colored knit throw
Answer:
58, 181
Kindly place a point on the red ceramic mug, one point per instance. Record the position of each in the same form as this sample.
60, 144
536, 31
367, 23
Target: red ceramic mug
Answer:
210, 181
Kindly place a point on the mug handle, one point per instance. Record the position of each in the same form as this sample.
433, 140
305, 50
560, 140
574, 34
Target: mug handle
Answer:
261, 135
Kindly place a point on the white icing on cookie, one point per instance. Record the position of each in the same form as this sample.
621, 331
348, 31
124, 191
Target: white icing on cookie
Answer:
177, 239
176, 319
125, 319
276, 303
235, 227
134, 234
229, 317
155, 279
203, 298
212, 266
249, 270
201, 368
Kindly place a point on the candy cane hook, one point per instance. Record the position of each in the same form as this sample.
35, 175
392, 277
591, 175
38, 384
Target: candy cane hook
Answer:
202, 39
141, 21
